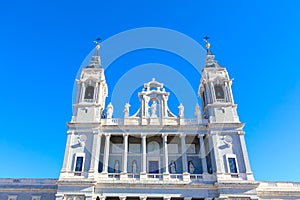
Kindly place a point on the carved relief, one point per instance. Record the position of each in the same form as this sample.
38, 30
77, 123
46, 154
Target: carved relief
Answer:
228, 140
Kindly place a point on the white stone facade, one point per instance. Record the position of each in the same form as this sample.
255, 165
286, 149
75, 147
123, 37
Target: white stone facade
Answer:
153, 154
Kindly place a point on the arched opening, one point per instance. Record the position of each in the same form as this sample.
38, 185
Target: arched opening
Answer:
89, 92
219, 92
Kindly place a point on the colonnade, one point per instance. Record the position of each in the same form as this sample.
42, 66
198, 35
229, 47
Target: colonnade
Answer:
106, 153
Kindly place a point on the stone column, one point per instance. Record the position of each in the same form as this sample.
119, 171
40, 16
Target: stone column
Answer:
218, 159
207, 93
143, 197
106, 153
96, 92
166, 158
245, 156
213, 92
144, 154
95, 151
125, 154
183, 153
227, 95
202, 154
230, 92
66, 164
82, 91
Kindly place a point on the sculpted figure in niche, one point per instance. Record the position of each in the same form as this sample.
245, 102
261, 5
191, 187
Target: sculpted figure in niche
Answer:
173, 167
134, 167
153, 108
117, 167
191, 167
146, 102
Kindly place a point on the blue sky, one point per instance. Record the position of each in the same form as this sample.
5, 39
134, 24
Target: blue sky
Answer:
43, 44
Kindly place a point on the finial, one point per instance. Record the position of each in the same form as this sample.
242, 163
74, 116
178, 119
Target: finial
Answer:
97, 42
206, 38
96, 60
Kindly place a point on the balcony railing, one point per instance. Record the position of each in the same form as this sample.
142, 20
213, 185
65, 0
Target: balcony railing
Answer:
27, 181
154, 176
176, 176
89, 100
196, 176
160, 121
135, 176
115, 176
221, 100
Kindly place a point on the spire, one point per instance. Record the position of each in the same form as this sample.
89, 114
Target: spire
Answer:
210, 58
96, 60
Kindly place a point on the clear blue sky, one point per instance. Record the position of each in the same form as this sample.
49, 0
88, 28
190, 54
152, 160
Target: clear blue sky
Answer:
43, 44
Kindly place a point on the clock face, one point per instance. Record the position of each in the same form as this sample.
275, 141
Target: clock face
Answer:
228, 139
83, 138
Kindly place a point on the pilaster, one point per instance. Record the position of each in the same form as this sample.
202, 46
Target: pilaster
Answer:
106, 154
95, 155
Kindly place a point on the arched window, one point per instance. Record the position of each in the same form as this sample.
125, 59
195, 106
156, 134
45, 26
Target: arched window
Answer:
219, 92
153, 147
89, 92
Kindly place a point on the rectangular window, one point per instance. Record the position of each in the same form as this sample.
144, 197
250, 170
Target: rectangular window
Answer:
153, 167
79, 164
232, 165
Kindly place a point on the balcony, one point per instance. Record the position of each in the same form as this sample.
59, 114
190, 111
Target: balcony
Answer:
159, 177
151, 121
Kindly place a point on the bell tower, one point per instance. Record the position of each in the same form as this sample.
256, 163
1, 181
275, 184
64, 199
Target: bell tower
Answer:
215, 92
225, 136
92, 92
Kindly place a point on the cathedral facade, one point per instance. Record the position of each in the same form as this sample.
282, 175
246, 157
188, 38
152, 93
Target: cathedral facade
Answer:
153, 154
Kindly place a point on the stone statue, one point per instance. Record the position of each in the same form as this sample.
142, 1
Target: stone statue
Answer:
126, 110
173, 167
153, 108
191, 167
181, 110
197, 111
109, 111
134, 167
146, 102
117, 167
